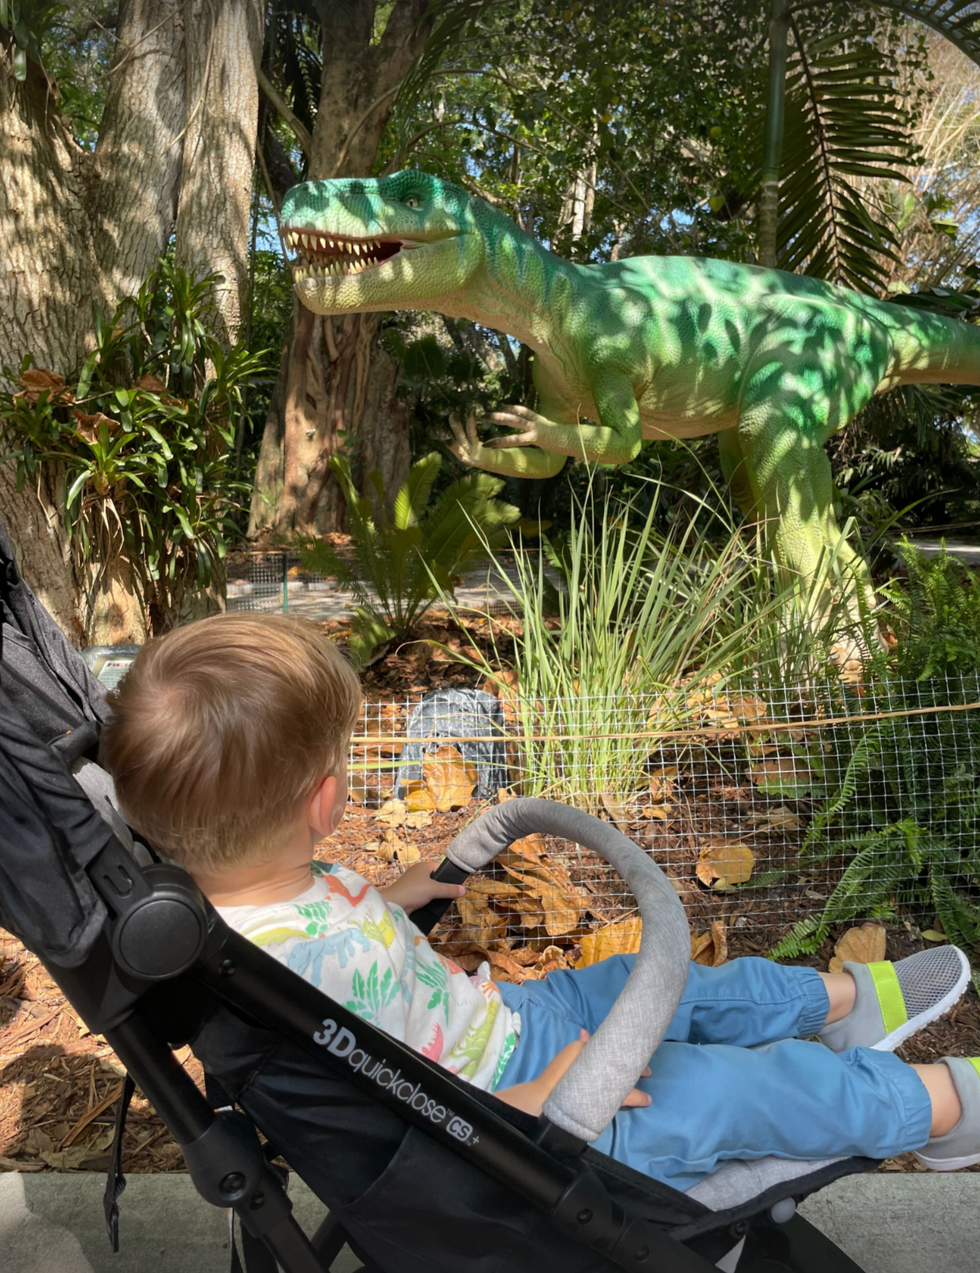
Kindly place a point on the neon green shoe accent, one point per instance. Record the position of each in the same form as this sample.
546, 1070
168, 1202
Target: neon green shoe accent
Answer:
975, 1062
890, 997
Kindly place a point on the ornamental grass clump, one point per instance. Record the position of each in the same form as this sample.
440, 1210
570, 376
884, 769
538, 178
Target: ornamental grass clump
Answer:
617, 650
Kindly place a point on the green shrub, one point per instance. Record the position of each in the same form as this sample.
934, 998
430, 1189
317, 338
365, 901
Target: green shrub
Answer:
903, 817
141, 438
403, 561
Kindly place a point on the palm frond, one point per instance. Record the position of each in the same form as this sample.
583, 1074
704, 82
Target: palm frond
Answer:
844, 122
957, 20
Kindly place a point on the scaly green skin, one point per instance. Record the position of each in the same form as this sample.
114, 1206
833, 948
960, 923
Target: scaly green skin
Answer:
643, 348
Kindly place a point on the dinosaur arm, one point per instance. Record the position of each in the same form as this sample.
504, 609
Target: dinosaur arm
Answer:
615, 440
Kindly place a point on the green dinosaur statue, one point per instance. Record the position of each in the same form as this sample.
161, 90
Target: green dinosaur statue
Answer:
646, 347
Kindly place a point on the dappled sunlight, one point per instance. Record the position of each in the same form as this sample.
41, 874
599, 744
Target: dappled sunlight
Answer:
647, 347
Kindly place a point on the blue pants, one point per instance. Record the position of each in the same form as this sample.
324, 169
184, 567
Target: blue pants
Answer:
734, 1077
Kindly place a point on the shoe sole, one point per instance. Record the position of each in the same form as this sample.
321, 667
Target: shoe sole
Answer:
898, 1036
949, 1164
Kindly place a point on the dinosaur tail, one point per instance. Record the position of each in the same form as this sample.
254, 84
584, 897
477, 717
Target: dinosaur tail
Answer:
933, 349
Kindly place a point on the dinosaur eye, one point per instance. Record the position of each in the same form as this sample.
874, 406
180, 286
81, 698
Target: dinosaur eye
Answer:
412, 201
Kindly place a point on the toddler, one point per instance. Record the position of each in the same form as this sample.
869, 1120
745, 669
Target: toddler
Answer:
228, 746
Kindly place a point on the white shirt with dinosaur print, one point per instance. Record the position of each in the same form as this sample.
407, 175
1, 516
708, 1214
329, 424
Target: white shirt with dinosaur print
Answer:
343, 937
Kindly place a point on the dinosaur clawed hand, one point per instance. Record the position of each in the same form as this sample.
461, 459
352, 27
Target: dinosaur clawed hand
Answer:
466, 444
516, 417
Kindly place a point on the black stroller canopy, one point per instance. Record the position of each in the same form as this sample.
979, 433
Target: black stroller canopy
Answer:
481, 1188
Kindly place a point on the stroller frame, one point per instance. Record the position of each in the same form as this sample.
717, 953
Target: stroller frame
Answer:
221, 1149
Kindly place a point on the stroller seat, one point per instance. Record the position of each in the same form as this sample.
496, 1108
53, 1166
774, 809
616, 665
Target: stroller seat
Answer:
419, 1170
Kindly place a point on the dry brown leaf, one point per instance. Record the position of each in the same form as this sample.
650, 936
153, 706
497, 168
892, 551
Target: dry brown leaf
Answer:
725, 862
486, 887
392, 813
711, 948
480, 923
560, 911
393, 846
418, 797
663, 812
782, 772
662, 782
748, 708
418, 821
700, 942
528, 851
450, 779
357, 787
864, 945
38, 380
779, 819
621, 938
151, 384
617, 814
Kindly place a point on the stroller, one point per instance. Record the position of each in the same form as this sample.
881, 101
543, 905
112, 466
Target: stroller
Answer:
420, 1171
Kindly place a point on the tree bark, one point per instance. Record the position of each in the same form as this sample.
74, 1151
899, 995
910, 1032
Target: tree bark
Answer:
224, 46
336, 386
47, 262
79, 228
140, 148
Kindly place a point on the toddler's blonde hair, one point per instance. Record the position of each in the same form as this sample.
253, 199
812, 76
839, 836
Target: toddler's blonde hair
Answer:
221, 731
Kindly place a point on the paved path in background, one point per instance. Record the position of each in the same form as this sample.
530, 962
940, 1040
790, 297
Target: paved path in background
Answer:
887, 1223
325, 600
967, 552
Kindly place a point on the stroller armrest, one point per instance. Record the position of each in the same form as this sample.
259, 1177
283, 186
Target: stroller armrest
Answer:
592, 1091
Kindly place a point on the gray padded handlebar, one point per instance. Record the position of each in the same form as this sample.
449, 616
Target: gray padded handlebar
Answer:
596, 1085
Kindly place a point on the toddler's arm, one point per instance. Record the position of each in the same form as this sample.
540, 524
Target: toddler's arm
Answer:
530, 1097
416, 888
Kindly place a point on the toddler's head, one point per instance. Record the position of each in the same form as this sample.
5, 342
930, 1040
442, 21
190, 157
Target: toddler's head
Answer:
222, 730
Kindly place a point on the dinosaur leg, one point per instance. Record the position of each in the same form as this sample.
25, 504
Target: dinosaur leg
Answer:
789, 475
734, 472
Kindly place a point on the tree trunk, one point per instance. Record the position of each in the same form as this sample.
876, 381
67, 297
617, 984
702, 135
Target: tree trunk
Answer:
79, 228
336, 385
213, 216
42, 550
140, 150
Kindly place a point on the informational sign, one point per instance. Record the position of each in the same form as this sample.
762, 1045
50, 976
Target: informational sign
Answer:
112, 671
109, 663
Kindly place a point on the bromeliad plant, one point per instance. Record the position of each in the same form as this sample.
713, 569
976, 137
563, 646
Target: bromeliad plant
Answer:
404, 560
142, 438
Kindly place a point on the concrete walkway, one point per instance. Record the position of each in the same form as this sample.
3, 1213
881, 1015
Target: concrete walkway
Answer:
887, 1223
968, 553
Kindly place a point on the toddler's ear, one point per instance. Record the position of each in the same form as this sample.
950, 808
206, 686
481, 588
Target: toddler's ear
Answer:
324, 812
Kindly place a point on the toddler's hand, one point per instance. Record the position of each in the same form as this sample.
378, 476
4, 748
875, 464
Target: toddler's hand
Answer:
530, 1097
416, 888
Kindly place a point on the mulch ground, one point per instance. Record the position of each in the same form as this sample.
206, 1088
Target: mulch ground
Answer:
59, 1084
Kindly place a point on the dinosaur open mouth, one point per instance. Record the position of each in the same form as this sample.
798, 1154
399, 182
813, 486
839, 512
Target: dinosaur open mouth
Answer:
322, 255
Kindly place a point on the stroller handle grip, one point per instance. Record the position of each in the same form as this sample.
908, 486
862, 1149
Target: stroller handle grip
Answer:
597, 1083
426, 917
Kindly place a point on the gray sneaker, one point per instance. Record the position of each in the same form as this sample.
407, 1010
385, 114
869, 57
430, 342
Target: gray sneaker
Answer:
895, 1000
960, 1147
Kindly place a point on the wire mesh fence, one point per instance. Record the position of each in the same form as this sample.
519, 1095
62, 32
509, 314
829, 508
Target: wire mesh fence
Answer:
765, 805
278, 583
